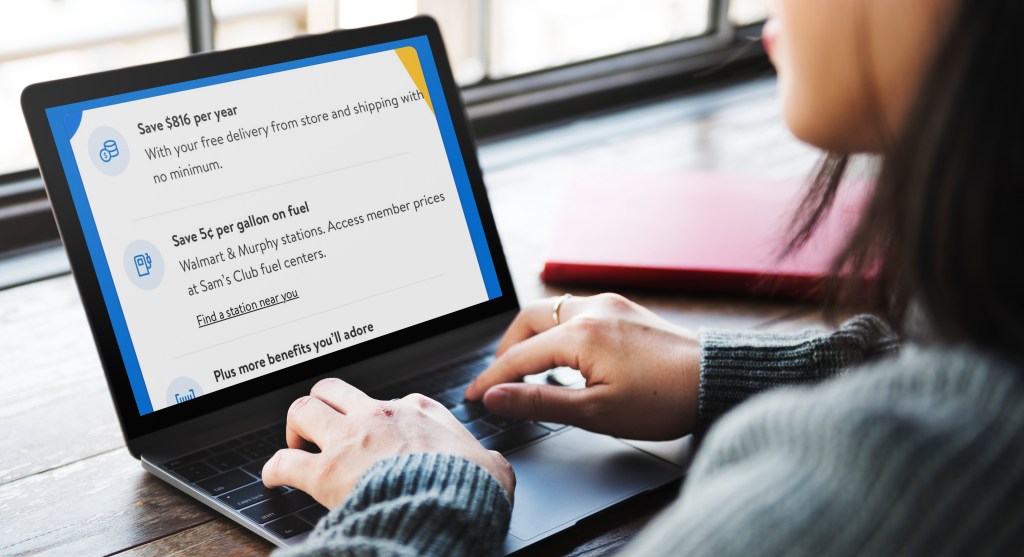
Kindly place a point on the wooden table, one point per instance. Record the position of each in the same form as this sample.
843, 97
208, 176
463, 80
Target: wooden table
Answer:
69, 487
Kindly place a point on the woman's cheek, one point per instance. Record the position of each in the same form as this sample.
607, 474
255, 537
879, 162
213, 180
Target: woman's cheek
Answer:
800, 95
814, 55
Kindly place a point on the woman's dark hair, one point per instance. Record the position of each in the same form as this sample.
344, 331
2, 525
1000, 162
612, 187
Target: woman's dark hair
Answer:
945, 225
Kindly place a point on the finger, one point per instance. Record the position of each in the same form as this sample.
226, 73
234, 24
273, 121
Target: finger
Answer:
547, 403
536, 318
291, 467
310, 419
340, 395
549, 349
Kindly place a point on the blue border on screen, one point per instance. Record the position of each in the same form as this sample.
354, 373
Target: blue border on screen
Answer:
61, 118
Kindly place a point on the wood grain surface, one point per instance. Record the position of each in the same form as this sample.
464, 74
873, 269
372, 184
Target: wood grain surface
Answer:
67, 485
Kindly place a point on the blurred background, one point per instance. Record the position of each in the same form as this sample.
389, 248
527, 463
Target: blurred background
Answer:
524, 66
490, 42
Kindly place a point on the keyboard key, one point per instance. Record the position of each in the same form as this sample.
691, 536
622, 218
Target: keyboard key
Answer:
226, 482
288, 526
278, 506
259, 449
552, 426
457, 395
232, 443
515, 437
195, 471
445, 402
256, 468
250, 495
227, 461
567, 377
277, 440
268, 431
387, 393
501, 423
218, 448
250, 437
313, 514
477, 365
178, 462
469, 411
480, 430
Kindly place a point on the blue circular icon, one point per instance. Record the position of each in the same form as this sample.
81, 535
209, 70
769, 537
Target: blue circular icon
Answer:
143, 264
182, 389
108, 150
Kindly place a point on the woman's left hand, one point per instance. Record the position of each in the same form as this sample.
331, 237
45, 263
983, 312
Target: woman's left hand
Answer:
353, 431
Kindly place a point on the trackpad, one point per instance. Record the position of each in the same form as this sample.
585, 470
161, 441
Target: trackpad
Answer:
575, 474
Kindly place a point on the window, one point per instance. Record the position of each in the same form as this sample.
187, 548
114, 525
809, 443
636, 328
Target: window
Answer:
503, 50
521, 62
575, 30
49, 39
492, 39
746, 12
248, 22
487, 40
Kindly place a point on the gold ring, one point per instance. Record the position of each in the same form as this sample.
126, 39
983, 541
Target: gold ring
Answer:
558, 307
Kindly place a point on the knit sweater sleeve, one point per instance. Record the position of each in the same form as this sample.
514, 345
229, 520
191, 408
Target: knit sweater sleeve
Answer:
737, 364
916, 455
415, 504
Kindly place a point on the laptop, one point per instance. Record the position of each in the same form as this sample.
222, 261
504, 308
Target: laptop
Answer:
241, 224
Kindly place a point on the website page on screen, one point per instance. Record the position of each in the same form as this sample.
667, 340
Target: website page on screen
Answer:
244, 223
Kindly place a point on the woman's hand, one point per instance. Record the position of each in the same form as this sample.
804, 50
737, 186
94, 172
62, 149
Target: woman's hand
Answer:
642, 372
353, 431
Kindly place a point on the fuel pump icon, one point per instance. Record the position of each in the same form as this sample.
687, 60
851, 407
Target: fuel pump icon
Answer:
143, 264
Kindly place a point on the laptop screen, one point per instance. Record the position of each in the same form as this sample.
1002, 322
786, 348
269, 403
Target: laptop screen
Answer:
243, 223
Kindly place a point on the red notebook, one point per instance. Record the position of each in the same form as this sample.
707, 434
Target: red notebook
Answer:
693, 232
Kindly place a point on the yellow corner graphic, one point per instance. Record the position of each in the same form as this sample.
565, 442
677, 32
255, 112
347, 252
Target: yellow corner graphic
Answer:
411, 60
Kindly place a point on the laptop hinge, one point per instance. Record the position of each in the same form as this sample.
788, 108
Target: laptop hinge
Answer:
386, 369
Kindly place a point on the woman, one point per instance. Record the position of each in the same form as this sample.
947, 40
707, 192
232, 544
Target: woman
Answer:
919, 452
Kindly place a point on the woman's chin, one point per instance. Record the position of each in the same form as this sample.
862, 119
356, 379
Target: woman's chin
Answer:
801, 120
814, 126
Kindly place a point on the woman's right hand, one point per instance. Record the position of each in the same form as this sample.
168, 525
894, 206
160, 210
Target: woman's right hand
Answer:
642, 372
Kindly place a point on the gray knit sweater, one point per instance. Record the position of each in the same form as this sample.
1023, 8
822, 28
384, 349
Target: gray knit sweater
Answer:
920, 453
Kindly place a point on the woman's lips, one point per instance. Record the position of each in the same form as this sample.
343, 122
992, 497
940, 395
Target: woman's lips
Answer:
769, 35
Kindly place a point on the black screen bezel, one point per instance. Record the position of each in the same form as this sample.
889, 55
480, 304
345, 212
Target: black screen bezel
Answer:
37, 98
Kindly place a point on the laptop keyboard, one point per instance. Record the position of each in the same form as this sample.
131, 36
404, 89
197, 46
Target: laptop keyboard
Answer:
447, 387
231, 471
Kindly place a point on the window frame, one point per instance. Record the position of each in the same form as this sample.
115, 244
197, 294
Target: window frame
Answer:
496, 107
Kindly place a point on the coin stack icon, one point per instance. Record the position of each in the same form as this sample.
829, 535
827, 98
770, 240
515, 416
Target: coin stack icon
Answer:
109, 150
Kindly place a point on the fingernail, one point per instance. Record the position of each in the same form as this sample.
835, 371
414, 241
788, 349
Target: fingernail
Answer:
497, 399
